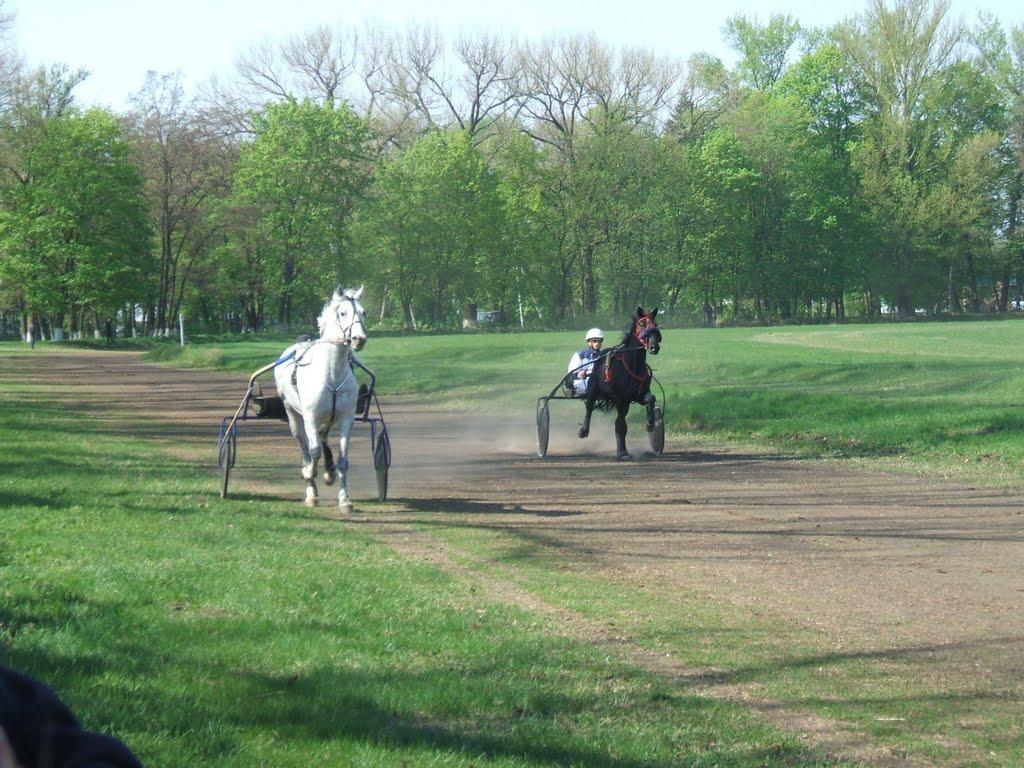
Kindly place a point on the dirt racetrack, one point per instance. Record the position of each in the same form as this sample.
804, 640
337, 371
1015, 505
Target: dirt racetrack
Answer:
877, 563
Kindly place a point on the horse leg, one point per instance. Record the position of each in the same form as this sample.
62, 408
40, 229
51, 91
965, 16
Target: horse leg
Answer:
344, 502
299, 433
620, 431
330, 469
314, 451
650, 401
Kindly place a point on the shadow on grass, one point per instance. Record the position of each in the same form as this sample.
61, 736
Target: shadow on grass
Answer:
391, 705
471, 708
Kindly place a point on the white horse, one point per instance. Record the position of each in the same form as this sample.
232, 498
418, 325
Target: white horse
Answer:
319, 388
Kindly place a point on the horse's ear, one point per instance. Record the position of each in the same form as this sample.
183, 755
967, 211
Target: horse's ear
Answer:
654, 313
338, 294
639, 311
359, 293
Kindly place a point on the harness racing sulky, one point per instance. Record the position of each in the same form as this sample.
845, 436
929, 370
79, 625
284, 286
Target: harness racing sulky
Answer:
621, 376
317, 388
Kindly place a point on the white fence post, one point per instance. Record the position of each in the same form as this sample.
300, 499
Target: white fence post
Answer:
181, 327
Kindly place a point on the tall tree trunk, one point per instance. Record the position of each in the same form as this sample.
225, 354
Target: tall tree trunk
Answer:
903, 307
284, 307
588, 287
972, 281
953, 293
1011, 230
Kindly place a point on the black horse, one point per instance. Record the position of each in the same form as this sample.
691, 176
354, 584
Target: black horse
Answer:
622, 377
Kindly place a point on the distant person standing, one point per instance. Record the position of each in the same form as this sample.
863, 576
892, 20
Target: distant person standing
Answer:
31, 332
110, 332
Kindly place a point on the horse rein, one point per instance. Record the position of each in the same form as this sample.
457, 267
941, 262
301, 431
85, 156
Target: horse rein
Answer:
643, 336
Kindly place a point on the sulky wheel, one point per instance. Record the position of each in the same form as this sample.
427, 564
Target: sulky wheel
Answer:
543, 427
226, 460
381, 462
656, 434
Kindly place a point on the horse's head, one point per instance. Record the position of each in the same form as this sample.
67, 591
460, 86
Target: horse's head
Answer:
645, 330
342, 319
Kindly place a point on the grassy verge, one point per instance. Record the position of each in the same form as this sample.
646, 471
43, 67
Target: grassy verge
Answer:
249, 633
938, 398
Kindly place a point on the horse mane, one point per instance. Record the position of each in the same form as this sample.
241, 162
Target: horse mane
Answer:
627, 336
328, 320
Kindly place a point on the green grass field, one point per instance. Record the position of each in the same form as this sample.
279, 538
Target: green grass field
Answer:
936, 398
255, 633
252, 632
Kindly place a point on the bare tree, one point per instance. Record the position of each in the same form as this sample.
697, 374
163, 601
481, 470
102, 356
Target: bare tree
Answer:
263, 74
556, 91
637, 87
414, 73
11, 63
322, 60
227, 110
490, 79
184, 167
471, 85
314, 65
393, 118
574, 80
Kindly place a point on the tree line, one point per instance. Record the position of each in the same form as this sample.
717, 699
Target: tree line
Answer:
874, 166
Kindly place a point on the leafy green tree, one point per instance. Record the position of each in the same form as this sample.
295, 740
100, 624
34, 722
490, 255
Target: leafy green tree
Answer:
824, 81
1002, 56
721, 244
73, 221
302, 175
536, 278
900, 56
966, 212
705, 96
764, 48
434, 226
617, 167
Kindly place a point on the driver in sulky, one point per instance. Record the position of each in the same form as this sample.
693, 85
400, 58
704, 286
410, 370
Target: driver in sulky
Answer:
579, 371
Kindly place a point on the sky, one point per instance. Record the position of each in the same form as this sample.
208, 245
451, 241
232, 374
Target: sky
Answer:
118, 41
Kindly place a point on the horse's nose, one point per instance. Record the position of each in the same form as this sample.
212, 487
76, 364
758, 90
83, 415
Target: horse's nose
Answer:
358, 342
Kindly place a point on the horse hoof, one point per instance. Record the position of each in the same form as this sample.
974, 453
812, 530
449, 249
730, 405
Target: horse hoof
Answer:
312, 502
583, 433
346, 507
624, 457
329, 478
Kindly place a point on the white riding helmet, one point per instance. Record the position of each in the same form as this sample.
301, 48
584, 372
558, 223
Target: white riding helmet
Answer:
595, 333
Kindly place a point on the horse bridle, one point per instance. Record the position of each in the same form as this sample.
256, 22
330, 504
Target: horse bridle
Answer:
645, 328
355, 318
